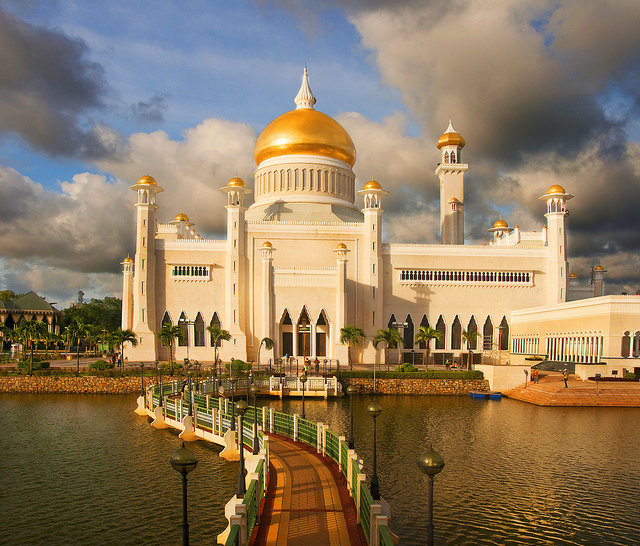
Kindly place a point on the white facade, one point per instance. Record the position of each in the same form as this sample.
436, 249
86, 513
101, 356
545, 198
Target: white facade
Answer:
307, 258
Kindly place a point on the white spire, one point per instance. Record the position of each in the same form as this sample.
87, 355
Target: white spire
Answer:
450, 129
305, 98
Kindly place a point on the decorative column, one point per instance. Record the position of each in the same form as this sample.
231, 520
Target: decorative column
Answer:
340, 351
267, 290
127, 293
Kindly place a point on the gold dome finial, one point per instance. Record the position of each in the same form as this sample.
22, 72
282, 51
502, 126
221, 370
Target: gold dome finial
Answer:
451, 137
555, 190
372, 185
182, 217
267, 244
147, 180
341, 246
305, 98
128, 260
236, 181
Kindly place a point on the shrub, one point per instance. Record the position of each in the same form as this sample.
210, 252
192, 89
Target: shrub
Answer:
238, 365
24, 364
432, 374
101, 365
406, 367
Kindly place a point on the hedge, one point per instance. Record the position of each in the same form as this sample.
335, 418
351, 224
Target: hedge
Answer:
435, 374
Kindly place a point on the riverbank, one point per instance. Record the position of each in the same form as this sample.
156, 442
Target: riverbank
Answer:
56, 384
417, 386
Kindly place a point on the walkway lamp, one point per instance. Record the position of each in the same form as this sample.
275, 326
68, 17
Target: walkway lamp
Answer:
241, 408
249, 383
142, 379
184, 461
374, 410
303, 380
431, 463
256, 445
351, 390
197, 366
232, 384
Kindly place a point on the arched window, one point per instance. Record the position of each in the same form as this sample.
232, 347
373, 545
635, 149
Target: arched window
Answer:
636, 345
472, 328
504, 334
424, 324
453, 157
456, 334
215, 321
198, 338
626, 345
182, 322
446, 157
440, 326
487, 335
392, 319
408, 333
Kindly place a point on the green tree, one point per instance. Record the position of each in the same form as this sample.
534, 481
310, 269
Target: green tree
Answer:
425, 335
469, 338
8, 295
105, 314
217, 335
121, 337
268, 343
167, 336
351, 336
391, 339
30, 331
77, 330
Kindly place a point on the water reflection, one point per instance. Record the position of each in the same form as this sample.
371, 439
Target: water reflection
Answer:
88, 470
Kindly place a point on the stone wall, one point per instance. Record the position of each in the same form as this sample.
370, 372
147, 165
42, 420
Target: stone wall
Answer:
455, 387
72, 385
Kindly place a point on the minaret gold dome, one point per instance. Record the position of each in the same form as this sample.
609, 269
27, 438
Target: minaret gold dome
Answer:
236, 181
555, 189
500, 224
372, 185
147, 180
267, 244
305, 131
182, 217
451, 137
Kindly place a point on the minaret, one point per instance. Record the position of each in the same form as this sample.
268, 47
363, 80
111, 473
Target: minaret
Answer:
235, 266
127, 293
450, 172
144, 308
556, 198
597, 274
373, 194
500, 229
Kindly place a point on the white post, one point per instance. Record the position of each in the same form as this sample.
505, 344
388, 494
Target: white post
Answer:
295, 426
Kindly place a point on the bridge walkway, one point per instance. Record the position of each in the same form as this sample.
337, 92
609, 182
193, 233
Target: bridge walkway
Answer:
307, 501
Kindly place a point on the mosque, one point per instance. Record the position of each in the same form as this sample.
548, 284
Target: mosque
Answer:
307, 257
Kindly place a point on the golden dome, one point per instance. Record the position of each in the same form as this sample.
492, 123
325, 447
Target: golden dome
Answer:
572, 275
182, 217
454, 200
555, 189
451, 137
516, 226
128, 260
267, 244
147, 180
237, 182
341, 246
305, 131
598, 268
372, 185
500, 224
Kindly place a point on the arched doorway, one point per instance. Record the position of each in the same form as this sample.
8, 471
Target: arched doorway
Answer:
303, 329
322, 334
286, 334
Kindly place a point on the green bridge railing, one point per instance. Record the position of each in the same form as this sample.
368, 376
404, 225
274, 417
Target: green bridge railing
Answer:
213, 415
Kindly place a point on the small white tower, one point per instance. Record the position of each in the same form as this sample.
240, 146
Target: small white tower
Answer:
127, 293
235, 266
450, 172
597, 274
268, 295
556, 198
340, 351
500, 229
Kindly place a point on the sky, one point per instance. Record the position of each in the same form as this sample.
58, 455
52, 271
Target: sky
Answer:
93, 95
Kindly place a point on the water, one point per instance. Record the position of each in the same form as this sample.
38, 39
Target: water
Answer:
88, 470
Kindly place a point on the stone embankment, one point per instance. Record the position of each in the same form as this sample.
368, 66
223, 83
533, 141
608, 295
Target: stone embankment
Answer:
71, 385
454, 387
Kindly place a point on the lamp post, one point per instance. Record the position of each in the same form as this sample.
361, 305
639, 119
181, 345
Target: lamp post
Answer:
184, 461
159, 382
374, 410
256, 445
303, 380
188, 367
351, 390
142, 379
197, 366
241, 408
232, 384
431, 463
249, 383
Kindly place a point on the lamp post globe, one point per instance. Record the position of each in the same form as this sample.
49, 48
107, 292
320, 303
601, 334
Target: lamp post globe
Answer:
303, 380
241, 408
184, 461
374, 410
431, 464
351, 390
254, 391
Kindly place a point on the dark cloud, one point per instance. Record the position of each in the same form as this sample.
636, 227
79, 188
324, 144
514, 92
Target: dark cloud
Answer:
48, 88
151, 111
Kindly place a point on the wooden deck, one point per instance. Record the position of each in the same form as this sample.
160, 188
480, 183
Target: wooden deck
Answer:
307, 500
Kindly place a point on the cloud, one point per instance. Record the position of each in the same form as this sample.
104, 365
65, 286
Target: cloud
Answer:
151, 111
48, 88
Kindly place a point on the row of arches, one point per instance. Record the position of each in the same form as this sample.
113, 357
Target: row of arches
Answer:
190, 271
453, 341
585, 348
304, 337
465, 276
451, 157
628, 348
196, 337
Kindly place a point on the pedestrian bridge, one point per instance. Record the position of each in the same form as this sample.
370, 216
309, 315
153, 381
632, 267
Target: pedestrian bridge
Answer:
303, 483
281, 386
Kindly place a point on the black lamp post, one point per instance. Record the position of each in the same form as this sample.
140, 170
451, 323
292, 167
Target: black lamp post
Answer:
241, 408
184, 461
431, 463
303, 380
374, 410
249, 383
142, 379
351, 390
233, 415
256, 445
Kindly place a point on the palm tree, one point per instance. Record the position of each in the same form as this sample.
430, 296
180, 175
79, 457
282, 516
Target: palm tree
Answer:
469, 337
425, 335
31, 331
391, 338
77, 329
124, 336
351, 336
218, 335
268, 343
168, 335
